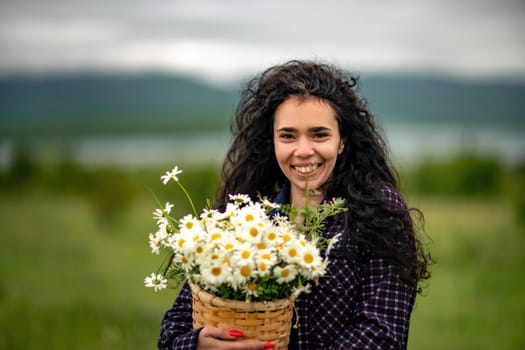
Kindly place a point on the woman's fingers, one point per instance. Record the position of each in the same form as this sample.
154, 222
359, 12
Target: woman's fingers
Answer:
221, 333
221, 338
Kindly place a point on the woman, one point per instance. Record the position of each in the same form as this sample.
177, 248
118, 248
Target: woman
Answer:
301, 125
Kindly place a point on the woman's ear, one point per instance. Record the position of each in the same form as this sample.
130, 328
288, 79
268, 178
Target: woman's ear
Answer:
341, 147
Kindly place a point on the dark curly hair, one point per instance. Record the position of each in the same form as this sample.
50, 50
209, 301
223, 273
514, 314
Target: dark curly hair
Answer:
361, 173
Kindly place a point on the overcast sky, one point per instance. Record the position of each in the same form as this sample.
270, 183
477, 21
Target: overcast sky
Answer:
232, 38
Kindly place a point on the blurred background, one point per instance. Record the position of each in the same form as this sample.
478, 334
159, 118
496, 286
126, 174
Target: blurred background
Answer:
100, 98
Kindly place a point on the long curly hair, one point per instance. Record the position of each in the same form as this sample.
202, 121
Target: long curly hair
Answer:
361, 173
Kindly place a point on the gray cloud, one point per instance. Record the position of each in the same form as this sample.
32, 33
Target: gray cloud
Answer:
219, 39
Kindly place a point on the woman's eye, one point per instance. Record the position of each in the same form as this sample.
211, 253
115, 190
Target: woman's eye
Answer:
320, 135
286, 136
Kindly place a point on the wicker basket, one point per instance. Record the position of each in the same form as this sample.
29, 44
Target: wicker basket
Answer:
267, 321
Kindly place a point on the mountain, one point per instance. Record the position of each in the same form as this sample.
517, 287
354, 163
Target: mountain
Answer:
86, 103
152, 102
446, 100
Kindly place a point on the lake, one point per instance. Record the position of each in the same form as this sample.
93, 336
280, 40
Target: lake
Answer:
408, 143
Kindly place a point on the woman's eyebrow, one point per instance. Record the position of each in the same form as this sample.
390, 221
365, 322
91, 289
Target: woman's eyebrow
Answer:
319, 128
312, 129
287, 129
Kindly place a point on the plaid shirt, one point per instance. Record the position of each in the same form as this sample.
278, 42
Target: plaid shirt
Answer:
362, 304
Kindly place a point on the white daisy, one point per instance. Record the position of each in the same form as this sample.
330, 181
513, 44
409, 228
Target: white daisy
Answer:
156, 281
292, 251
216, 236
171, 175
229, 244
215, 273
239, 199
332, 242
310, 258
251, 288
302, 289
160, 214
231, 211
184, 261
253, 233
159, 238
269, 205
285, 274
244, 255
271, 237
154, 243
164, 230
199, 252
265, 260
249, 215
189, 222
241, 274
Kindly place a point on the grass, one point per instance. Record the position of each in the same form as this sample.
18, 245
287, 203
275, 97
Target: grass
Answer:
68, 280
475, 297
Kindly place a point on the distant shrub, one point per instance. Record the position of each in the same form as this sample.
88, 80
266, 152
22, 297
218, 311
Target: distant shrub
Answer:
517, 192
23, 170
68, 176
110, 190
467, 174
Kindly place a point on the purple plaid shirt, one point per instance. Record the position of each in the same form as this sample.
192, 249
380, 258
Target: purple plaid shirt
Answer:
361, 304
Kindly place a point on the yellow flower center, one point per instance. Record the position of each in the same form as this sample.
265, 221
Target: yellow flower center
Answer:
252, 286
308, 258
286, 237
245, 271
249, 217
292, 252
215, 236
285, 273
254, 232
261, 245
189, 225
216, 271
245, 254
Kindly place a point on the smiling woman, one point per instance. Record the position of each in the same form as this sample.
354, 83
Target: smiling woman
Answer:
302, 136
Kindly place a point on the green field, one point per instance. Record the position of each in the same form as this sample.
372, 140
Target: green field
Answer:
71, 279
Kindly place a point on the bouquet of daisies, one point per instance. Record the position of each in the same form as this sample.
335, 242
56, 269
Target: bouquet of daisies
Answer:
253, 250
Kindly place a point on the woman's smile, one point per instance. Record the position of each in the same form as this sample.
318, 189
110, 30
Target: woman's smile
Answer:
306, 169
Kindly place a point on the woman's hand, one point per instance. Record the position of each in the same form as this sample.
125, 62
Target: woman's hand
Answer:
212, 338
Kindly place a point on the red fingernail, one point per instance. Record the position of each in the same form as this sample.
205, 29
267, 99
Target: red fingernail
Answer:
235, 333
269, 345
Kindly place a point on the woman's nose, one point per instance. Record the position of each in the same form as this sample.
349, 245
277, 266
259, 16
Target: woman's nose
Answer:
304, 148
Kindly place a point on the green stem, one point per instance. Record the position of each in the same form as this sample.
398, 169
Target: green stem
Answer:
168, 258
188, 197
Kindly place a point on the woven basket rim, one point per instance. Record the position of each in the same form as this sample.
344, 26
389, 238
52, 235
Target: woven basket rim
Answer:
238, 304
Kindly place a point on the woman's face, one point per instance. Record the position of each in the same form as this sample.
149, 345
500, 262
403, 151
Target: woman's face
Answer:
307, 141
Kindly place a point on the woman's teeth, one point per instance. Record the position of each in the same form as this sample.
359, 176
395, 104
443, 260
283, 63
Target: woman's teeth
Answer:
306, 169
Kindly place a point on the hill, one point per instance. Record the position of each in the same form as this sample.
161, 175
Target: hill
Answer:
87, 103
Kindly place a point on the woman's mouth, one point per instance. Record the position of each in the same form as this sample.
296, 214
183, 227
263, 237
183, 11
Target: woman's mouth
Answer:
305, 169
